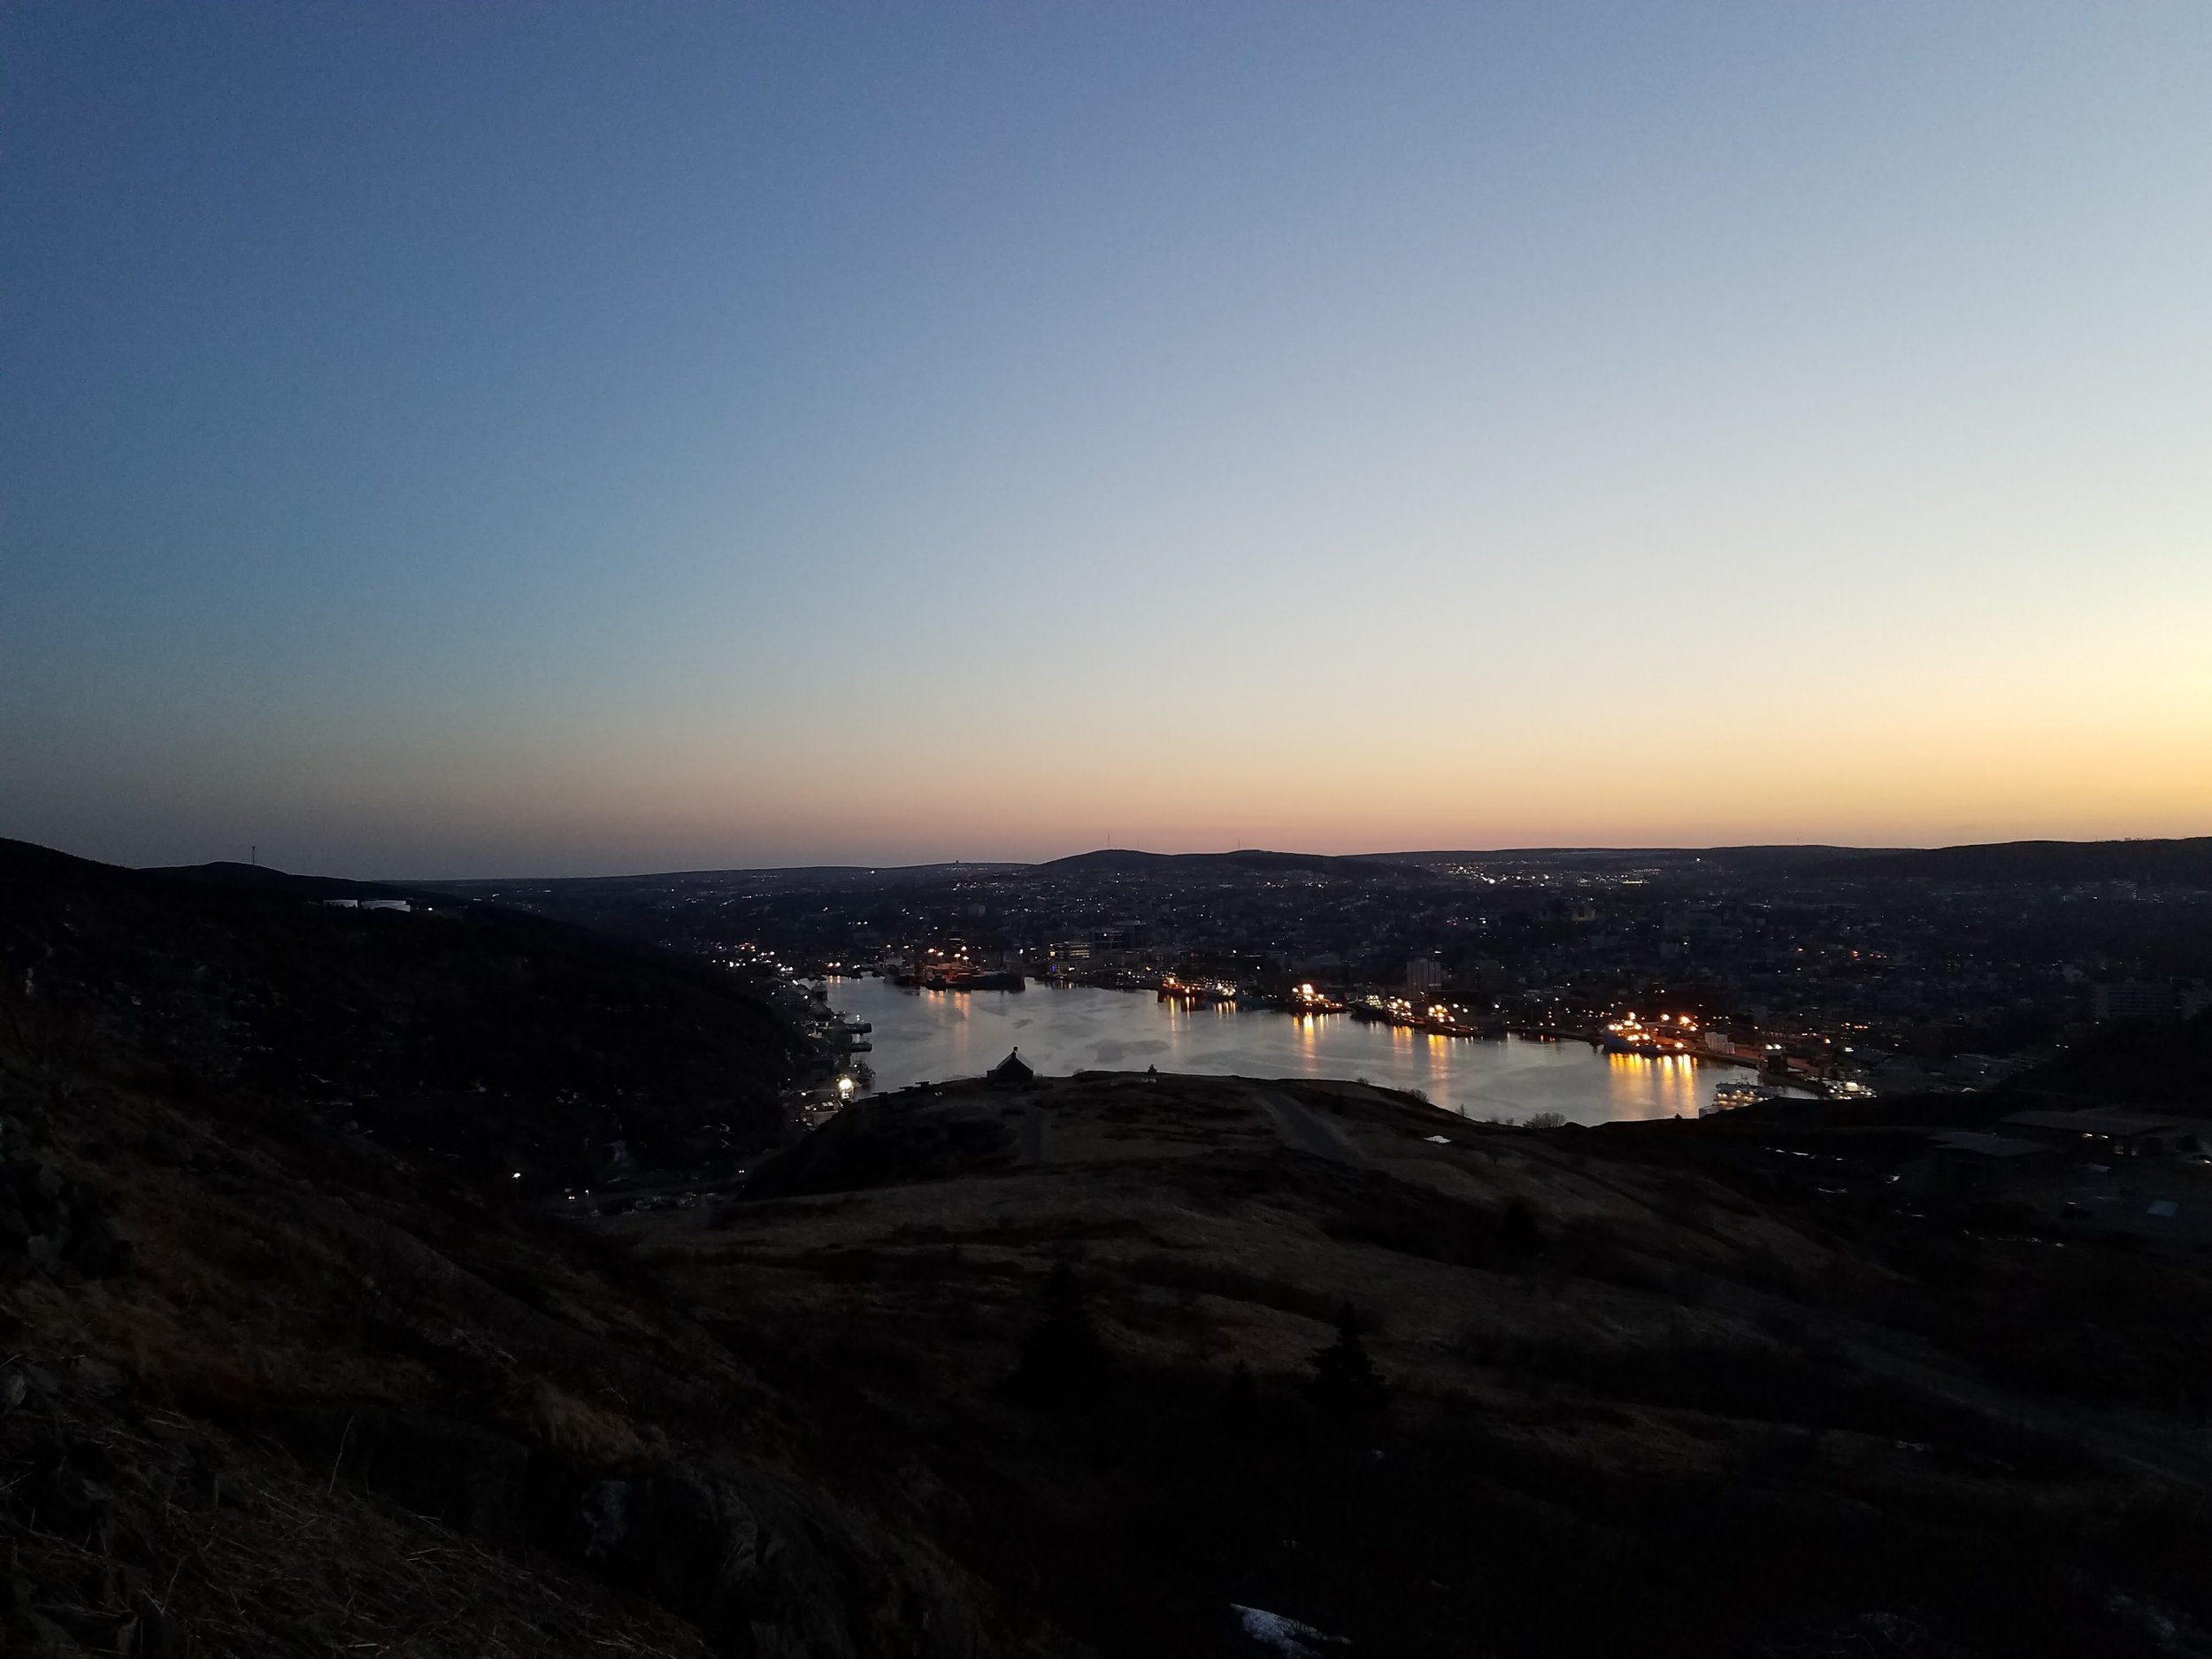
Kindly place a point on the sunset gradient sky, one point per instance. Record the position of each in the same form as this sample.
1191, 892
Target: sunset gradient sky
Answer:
474, 440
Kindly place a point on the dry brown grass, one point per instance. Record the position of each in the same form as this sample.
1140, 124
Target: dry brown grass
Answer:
591, 1432
206, 1544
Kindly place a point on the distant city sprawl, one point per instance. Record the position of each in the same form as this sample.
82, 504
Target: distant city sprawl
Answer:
1837, 971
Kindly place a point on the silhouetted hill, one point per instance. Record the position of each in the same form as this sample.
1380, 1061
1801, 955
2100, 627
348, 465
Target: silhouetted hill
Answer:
499, 1041
796, 875
1785, 858
2186, 863
1111, 859
262, 878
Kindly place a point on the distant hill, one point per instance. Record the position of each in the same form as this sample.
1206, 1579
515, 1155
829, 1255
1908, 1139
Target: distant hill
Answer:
791, 875
1122, 859
2186, 863
1785, 857
1789, 859
262, 878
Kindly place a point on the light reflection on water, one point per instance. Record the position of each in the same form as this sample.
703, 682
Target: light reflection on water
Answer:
933, 1036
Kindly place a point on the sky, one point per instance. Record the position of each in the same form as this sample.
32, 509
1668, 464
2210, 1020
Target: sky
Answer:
444, 441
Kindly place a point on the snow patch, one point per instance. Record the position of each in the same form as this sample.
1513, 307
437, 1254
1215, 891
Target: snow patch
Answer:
1286, 1636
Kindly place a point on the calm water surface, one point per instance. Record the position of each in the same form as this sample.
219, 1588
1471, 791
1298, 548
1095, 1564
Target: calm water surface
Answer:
933, 1036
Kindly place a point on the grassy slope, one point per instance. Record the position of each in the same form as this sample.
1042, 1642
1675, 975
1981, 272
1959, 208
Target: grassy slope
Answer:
1697, 1408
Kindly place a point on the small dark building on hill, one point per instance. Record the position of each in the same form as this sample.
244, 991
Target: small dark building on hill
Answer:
2107, 1132
1961, 1162
1011, 1072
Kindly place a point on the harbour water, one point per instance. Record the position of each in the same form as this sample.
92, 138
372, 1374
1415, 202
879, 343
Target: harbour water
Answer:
933, 1036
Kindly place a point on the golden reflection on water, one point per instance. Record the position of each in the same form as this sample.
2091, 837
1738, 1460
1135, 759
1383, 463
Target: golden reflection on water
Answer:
1667, 1081
940, 1034
1439, 1059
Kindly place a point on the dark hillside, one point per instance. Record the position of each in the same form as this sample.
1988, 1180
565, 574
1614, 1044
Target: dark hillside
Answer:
262, 878
270, 1387
501, 1041
2166, 1066
2185, 862
1786, 860
1779, 859
1200, 863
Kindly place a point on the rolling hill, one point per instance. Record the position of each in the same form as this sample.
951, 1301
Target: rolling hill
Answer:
2183, 863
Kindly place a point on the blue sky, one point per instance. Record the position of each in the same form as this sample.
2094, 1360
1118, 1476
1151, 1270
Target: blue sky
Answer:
448, 441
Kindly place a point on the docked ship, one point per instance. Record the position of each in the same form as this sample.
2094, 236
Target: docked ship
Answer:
1306, 1000
960, 981
1735, 1096
1670, 1035
1193, 995
1438, 1018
